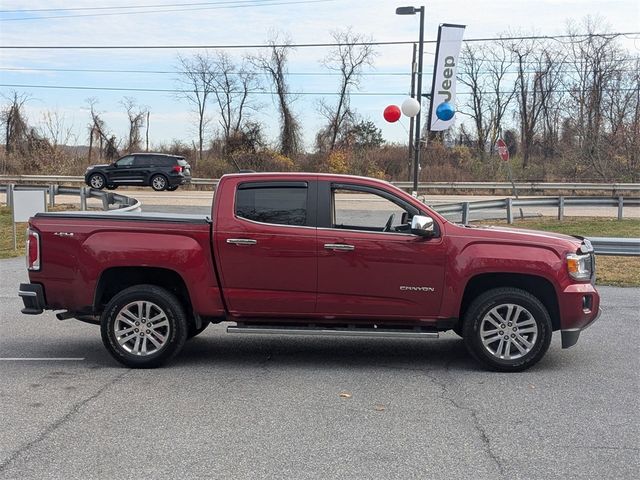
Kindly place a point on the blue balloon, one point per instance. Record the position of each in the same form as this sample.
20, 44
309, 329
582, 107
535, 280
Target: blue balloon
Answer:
445, 111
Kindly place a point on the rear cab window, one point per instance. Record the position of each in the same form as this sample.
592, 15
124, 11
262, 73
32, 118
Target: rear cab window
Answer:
279, 203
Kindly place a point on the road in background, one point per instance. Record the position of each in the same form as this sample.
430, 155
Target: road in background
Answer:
199, 202
270, 407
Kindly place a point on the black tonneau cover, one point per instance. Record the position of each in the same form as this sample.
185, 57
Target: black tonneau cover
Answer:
129, 216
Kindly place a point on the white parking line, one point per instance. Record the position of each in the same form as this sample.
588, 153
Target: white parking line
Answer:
40, 359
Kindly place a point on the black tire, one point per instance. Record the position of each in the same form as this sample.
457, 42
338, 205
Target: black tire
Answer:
97, 181
112, 187
172, 189
512, 318
122, 310
159, 182
193, 331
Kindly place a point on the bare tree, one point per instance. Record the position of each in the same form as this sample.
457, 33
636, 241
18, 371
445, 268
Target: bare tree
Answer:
54, 127
232, 86
534, 67
275, 65
107, 145
195, 79
472, 74
14, 122
596, 59
348, 59
501, 89
136, 116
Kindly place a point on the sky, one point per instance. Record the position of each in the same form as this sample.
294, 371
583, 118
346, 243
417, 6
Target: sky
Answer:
242, 22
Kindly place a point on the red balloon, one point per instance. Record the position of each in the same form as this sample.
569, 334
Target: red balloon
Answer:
392, 113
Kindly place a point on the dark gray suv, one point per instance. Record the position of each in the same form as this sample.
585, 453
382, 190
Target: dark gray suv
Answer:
158, 170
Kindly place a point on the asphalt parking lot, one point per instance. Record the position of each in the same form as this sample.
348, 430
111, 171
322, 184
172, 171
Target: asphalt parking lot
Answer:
270, 407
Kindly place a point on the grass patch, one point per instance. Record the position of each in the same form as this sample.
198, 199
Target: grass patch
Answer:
6, 235
582, 226
610, 270
6, 232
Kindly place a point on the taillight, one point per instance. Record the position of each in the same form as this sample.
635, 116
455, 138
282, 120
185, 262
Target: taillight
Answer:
33, 250
177, 168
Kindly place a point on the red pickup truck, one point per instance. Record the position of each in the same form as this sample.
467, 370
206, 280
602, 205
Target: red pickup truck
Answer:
313, 254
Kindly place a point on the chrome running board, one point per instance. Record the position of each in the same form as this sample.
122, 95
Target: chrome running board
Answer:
337, 331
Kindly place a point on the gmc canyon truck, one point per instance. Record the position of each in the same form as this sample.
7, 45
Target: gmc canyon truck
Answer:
313, 254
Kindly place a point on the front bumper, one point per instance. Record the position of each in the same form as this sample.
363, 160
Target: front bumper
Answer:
579, 308
32, 295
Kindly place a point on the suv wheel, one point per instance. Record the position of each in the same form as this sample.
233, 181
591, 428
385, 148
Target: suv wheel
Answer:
97, 181
158, 182
143, 326
507, 329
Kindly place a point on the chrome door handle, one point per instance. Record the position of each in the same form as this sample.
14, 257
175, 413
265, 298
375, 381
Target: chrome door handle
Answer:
242, 241
339, 246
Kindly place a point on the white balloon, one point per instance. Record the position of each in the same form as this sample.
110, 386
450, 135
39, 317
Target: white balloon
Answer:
410, 107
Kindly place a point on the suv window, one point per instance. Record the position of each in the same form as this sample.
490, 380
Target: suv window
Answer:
125, 161
282, 205
361, 210
143, 161
163, 161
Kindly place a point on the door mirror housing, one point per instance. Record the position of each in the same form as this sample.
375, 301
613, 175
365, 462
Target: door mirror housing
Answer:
422, 225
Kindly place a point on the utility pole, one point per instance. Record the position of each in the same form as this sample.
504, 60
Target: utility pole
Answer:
413, 95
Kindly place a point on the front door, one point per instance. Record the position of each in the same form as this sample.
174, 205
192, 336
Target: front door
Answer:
121, 173
266, 248
370, 266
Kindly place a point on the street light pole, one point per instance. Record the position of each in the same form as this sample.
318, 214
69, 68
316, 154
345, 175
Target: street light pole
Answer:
416, 148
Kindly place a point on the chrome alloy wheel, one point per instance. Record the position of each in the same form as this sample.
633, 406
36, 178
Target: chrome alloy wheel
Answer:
508, 331
159, 182
97, 181
141, 328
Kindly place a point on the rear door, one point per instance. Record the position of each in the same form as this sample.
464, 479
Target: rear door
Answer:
266, 248
142, 167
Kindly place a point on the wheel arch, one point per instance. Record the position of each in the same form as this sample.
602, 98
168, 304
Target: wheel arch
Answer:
116, 279
537, 286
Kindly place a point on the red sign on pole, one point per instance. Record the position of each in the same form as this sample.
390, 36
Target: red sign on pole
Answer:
503, 150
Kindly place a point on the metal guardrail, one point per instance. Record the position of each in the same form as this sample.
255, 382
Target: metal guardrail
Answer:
508, 204
616, 246
601, 245
611, 188
108, 199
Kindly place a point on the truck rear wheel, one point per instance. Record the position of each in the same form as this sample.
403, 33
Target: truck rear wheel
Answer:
507, 329
143, 326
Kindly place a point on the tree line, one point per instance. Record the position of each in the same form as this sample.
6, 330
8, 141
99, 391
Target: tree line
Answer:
566, 108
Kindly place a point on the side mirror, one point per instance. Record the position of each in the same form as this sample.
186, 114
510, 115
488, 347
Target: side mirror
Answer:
114, 164
422, 225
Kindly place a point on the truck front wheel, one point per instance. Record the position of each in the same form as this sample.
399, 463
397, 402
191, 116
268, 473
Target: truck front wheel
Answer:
507, 329
143, 326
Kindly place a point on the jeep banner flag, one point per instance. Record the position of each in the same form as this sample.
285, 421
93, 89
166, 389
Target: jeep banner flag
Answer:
443, 90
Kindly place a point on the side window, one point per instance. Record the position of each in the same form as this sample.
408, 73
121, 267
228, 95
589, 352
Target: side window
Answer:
142, 161
282, 205
358, 210
164, 161
125, 161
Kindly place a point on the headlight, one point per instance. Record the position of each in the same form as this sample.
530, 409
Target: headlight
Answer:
579, 266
